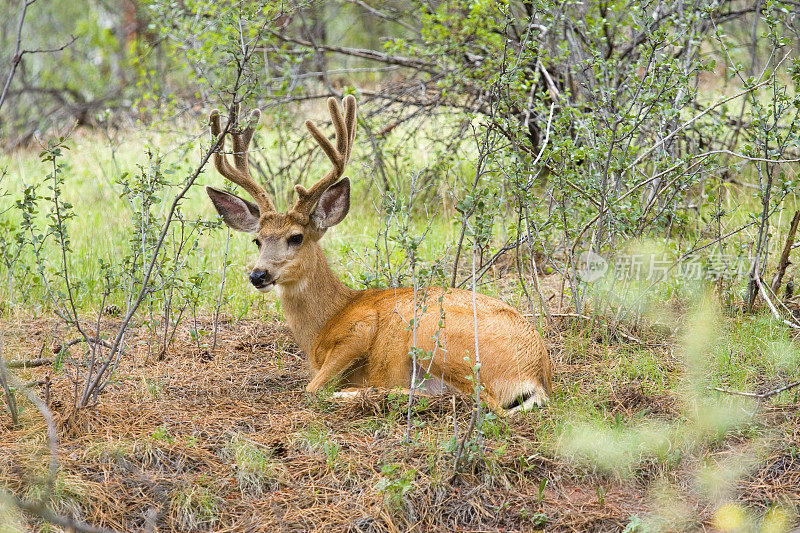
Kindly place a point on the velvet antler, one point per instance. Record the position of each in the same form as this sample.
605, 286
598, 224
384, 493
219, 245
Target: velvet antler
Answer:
239, 173
345, 127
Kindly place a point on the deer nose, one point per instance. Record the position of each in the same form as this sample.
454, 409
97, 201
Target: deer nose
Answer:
259, 278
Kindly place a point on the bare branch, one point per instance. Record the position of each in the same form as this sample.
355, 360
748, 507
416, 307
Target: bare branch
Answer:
18, 54
364, 53
784, 262
29, 363
758, 396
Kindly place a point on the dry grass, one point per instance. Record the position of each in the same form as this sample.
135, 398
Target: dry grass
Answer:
231, 442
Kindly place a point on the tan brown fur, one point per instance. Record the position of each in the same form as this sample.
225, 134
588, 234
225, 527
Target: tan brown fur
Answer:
370, 341
365, 336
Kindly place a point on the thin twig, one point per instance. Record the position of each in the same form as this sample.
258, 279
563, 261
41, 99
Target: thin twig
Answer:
784, 262
11, 401
694, 119
460, 449
747, 157
221, 291
52, 435
546, 137
615, 331
15, 59
364, 53
94, 340
30, 363
758, 396
18, 54
775, 312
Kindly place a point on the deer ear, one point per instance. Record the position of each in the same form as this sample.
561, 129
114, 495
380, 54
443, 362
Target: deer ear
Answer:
333, 205
237, 213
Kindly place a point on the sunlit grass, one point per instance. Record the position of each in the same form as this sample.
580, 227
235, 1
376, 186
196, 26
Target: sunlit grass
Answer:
753, 352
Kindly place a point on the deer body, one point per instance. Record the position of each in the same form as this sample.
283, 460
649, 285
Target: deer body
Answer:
368, 337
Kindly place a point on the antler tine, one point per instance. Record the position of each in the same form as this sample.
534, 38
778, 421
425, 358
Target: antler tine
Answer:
350, 118
239, 173
345, 127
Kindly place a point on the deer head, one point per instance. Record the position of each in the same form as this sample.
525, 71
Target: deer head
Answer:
284, 240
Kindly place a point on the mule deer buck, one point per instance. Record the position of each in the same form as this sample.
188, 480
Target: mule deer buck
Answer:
365, 336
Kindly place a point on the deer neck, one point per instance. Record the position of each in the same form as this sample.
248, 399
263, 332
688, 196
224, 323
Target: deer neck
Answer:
310, 303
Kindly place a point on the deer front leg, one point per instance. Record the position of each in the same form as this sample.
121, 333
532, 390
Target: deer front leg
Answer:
336, 361
493, 404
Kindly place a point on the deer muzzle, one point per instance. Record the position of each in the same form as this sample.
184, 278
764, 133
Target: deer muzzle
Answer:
261, 279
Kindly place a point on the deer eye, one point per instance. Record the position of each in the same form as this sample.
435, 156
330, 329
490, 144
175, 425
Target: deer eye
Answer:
258, 243
295, 239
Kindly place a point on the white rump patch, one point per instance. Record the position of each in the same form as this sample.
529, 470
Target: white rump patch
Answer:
345, 394
537, 398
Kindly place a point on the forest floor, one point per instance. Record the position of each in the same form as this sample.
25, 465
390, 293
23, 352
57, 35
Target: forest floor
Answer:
230, 441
